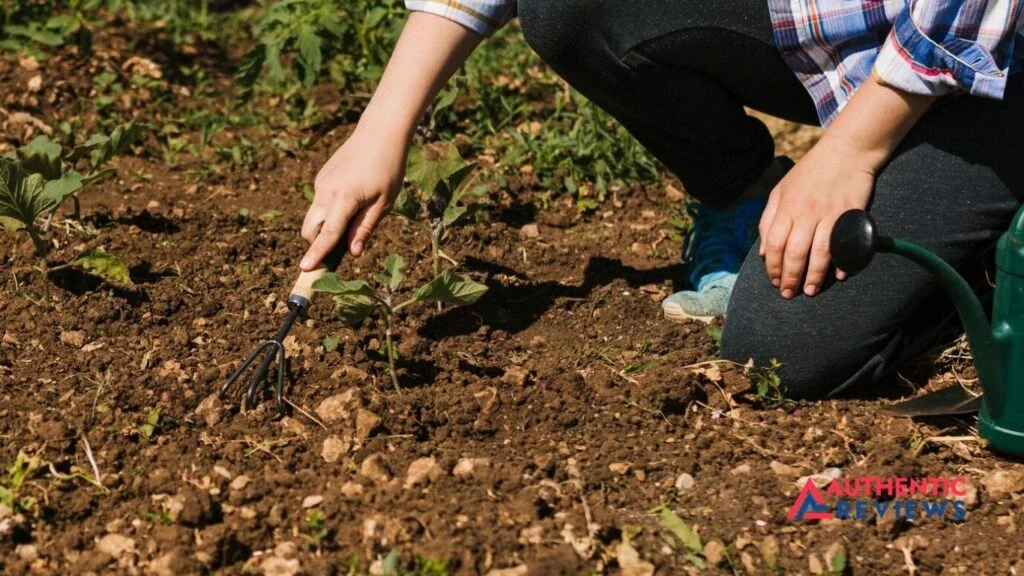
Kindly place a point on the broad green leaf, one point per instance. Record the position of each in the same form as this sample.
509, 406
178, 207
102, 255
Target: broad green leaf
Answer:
41, 156
249, 70
310, 57
105, 265
459, 176
273, 62
353, 308
446, 99
430, 163
34, 33
119, 140
408, 206
674, 524
450, 288
67, 185
22, 197
392, 276
331, 344
11, 224
149, 427
331, 284
439, 201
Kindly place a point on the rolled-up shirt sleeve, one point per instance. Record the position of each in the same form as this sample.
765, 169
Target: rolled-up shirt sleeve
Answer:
480, 16
938, 47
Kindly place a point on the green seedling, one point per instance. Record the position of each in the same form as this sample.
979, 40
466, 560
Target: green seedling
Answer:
12, 484
161, 516
442, 178
36, 179
357, 299
151, 426
768, 385
679, 536
316, 528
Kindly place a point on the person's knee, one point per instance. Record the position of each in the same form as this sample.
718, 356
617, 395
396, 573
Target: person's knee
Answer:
803, 368
561, 33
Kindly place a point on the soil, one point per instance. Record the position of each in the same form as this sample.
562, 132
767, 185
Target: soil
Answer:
535, 430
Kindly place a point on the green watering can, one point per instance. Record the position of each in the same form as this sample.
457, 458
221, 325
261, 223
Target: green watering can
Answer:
998, 349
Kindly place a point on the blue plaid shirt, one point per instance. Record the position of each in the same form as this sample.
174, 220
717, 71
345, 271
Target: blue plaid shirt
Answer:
934, 47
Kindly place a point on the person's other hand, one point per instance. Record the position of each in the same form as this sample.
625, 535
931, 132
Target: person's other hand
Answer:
354, 190
802, 210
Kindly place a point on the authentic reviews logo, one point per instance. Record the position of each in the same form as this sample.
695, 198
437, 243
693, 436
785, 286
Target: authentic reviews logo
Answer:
866, 497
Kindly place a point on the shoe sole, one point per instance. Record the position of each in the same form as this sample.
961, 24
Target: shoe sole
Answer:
677, 314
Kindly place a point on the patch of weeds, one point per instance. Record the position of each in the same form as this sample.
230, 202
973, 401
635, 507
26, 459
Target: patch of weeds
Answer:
767, 385
354, 300
316, 530
161, 516
12, 484
679, 536
391, 565
715, 334
36, 179
151, 427
32, 28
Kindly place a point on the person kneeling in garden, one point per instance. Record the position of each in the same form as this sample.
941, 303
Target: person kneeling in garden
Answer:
923, 111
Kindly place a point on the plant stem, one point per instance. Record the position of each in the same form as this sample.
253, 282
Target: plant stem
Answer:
389, 316
435, 253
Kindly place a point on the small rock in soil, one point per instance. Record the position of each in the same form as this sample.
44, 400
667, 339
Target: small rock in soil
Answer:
334, 448
814, 565
521, 570
468, 467
312, 501
1003, 483
375, 468
286, 550
714, 552
741, 469
351, 489
211, 410
274, 566
194, 507
529, 231
115, 545
366, 424
620, 468
421, 472
515, 376
784, 471
630, 562
748, 563
821, 479
684, 481
338, 407
74, 338
970, 496
27, 552
239, 483
164, 565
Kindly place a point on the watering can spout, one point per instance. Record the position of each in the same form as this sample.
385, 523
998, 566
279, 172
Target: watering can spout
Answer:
854, 242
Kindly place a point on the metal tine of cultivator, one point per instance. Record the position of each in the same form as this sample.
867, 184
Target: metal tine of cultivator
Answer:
276, 344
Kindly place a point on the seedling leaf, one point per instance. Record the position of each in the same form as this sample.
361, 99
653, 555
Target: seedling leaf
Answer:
331, 284
149, 427
310, 54
354, 308
40, 156
249, 70
407, 205
104, 265
22, 197
392, 276
674, 524
429, 164
450, 288
331, 344
458, 177
67, 185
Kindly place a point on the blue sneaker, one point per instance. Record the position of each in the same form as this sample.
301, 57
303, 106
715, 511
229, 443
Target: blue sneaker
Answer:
715, 247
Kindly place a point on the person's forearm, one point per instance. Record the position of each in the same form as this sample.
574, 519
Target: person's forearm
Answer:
429, 51
875, 120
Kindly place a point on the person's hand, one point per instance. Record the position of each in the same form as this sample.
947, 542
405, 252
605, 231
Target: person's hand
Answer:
354, 190
802, 210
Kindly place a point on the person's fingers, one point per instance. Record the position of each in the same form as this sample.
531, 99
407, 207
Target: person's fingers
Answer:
330, 233
315, 217
817, 268
841, 275
363, 224
794, 259
774, 243
766, 221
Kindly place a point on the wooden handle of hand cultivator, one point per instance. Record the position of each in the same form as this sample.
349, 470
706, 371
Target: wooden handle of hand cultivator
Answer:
304, 284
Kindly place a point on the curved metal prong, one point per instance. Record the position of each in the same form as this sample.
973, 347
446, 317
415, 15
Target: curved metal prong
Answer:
245, 364
281, 371
261, 373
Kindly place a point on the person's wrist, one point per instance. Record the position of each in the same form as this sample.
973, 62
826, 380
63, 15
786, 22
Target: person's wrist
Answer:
854, 152
388, 127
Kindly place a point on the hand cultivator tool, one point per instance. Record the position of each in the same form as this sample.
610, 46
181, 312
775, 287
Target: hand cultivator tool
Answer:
998, 351
298, 302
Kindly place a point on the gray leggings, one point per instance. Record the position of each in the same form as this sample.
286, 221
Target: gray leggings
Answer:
677, 74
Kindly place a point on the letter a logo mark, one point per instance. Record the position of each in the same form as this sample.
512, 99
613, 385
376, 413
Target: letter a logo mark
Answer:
809, 505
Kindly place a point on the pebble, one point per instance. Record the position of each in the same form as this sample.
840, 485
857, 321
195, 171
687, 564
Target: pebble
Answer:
351, 489
74, 338
366, 424
684, 481
338, 407
374, 468
741, 469
467, 467
334, 448
421, 472
714, 552
210, 410
312, 501
784, 471
1003, 483
240, 482
27, 552
520, 570
115, 545
515, 376
274, 566
620, 468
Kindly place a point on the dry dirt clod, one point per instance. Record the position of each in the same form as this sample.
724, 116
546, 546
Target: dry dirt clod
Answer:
515, 376
239, 483
334, 448
785, 472
630, 562
374, 468
684, 481
352, 489
714, 552
74, 338
211, 410
312, 501
520, 570
115, 545
338, 407
469, 467
1003, 483
275, 566
366, 424
422, 471
27, 552
741, 469
531, 231
620, 468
